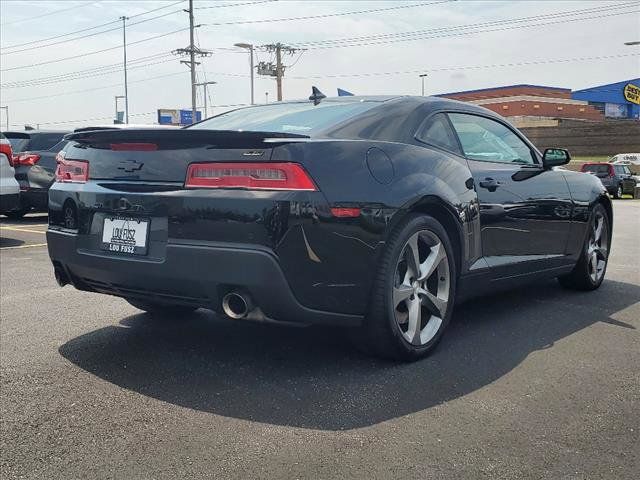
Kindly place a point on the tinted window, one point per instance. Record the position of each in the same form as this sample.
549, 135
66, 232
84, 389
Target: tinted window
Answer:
596, 168
485, 139
437, 131
301, 118
58, 146
44, 141
18, 144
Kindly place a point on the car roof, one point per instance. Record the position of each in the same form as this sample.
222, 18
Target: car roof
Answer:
33, 132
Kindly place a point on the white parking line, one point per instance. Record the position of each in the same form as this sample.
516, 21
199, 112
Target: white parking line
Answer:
13, 229
25, 246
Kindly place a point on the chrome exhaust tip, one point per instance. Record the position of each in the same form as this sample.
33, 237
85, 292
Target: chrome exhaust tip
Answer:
236, 305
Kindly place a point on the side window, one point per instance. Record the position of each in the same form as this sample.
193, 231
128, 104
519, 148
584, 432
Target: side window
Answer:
437, 131
487, 140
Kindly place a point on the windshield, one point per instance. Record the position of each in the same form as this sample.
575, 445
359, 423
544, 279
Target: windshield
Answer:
301, 118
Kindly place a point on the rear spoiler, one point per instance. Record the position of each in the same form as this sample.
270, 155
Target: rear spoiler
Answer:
183, 138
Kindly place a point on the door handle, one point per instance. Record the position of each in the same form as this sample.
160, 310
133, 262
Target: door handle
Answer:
490, 184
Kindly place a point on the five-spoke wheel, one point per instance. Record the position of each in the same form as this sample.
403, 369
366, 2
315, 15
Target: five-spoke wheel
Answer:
413, 294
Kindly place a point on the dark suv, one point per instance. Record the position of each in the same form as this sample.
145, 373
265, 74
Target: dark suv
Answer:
617, 179
34, 159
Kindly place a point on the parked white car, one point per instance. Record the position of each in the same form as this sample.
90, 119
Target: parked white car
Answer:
9, 188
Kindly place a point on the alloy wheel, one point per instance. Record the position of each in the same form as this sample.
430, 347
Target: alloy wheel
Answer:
598, 247
421, 287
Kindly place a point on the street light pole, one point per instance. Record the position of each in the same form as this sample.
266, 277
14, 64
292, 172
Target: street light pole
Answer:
204, 85
117, 97
7, 110
249, 47
126, 87
422, 76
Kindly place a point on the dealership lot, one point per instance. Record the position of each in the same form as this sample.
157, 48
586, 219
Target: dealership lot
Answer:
539, 382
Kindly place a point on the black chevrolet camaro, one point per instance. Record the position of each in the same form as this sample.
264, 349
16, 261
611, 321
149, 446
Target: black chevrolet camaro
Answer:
374, 213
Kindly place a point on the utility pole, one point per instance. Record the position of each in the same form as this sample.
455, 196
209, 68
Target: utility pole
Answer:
192, 60
276, 70
192, 51
249, 47
126, 87
423, 76
204, 85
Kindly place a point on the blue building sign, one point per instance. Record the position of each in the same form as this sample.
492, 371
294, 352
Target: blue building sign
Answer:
615, 100
169, 116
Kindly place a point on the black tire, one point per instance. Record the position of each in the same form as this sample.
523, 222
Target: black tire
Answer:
381, 333
161, 309
581, 277
617, 193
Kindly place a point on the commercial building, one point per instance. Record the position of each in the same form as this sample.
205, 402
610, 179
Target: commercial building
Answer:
615, 100
538, 105
530, 104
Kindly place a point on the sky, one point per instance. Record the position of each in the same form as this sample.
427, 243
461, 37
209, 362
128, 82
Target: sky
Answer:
461, 45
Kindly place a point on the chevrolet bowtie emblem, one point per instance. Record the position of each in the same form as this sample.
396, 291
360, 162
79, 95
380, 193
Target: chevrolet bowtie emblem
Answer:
130, 166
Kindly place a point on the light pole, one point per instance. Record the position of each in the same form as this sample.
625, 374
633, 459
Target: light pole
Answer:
204, 85
249, 47
422, 77
117, 97
7, 110
126, 89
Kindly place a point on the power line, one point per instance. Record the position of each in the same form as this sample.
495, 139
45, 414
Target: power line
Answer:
473, 25
79, 74
48, 14
94, 52
93, 89
89, 28
234, 4
356, 75
325, 15
447, 32
35, 47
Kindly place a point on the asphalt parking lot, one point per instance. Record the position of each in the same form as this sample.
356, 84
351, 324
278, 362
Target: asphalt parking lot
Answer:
535, 383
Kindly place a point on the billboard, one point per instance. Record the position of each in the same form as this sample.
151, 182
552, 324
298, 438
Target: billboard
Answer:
172, 116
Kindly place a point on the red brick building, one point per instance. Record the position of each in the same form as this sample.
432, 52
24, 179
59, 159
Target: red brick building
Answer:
529, 103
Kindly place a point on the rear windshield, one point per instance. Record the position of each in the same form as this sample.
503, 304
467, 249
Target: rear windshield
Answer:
301, 118
21, 142
596, 168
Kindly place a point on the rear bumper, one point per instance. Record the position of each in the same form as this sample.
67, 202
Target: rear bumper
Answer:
197, 275
9, 202
36, 199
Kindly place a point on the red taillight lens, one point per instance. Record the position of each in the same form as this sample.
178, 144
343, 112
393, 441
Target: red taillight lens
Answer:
345, 212
252, 176
130, 147
76, 171
26, 158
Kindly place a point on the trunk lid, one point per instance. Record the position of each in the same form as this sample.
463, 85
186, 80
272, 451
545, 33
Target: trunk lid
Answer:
152, 155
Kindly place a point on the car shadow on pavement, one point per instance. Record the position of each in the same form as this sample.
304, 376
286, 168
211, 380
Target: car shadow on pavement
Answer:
10, 242
314, 378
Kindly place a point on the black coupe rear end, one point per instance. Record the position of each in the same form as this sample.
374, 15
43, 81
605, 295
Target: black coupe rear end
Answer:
337, 213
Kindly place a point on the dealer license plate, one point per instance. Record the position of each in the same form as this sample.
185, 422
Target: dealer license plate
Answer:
125, 235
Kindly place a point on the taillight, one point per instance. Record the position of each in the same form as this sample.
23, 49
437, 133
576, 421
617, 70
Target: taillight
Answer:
76, 171
252, 176
342, 212
26, 158
132, 147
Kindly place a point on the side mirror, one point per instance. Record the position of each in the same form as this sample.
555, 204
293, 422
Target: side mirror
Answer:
554, 157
